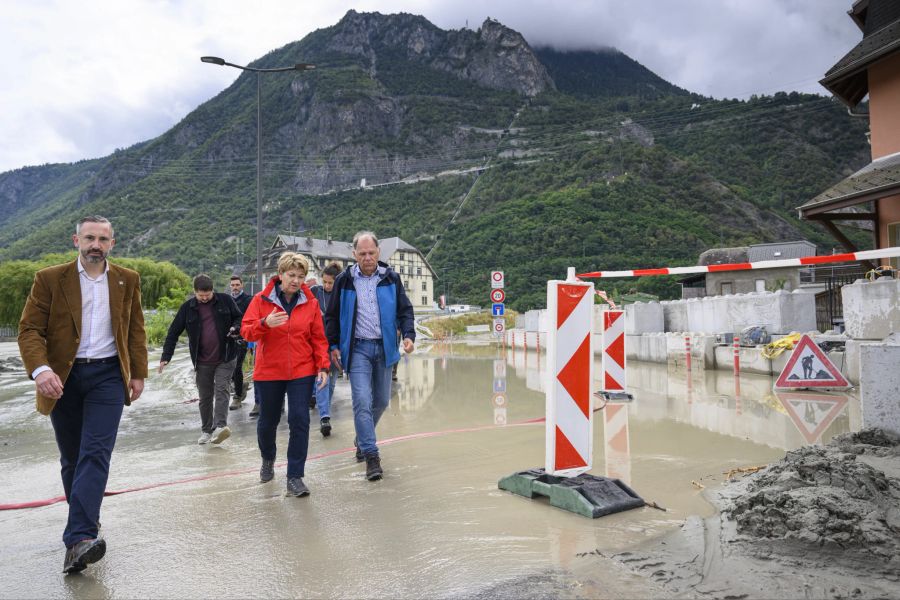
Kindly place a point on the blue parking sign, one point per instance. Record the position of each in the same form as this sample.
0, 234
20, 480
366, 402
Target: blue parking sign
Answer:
497, 310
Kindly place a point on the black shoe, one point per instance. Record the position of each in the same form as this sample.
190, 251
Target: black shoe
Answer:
255, 410
85, 552
373, 467
359, 454
325, 426
296, 487
267, 471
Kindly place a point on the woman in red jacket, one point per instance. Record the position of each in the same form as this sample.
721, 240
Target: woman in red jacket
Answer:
291, 356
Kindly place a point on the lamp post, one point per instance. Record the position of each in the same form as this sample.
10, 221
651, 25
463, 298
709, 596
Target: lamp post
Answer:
215, 60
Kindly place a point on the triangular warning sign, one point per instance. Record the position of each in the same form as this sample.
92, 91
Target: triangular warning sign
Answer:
809, 367
811, 413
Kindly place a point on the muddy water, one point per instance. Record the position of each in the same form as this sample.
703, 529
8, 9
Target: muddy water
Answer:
436, 526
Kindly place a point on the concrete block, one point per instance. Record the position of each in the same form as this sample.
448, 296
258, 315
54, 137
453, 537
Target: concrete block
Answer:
674, 315
871, 308
644, 317
851, 360
879, 380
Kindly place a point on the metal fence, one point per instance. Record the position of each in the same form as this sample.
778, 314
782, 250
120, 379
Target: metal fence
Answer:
9, 331
829, 303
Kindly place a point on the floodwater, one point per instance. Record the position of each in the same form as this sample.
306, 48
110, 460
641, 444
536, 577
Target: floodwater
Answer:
196, 522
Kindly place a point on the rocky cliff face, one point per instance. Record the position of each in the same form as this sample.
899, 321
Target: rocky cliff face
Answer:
494, 56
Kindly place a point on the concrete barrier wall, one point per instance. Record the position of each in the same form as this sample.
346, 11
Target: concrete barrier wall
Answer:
644, 317
871, 308
780, 312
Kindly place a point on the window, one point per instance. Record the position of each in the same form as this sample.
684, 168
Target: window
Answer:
424, 286
726, 288
402, 256
402, 269
424, 300
419, 271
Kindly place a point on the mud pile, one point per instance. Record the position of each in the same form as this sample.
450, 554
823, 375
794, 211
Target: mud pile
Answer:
844, 495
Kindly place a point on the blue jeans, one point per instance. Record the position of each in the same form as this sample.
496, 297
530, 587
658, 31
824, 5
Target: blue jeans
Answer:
323, 395
86, 422
299, 392
370, 387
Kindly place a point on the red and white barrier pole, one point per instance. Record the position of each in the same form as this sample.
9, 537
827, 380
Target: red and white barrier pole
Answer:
763, 264
570, 359
737, 356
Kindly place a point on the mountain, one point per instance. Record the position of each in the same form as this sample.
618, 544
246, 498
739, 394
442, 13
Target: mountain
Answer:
514, 158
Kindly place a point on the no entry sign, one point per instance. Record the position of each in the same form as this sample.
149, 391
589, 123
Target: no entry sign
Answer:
498, 296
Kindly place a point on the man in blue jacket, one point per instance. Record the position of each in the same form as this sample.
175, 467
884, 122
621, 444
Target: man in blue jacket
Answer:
213, 323
366, 309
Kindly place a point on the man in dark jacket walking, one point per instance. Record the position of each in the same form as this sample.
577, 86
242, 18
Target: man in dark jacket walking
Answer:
212, 321
367, 308
242, 300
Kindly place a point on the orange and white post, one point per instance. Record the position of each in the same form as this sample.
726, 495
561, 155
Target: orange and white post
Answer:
570, 421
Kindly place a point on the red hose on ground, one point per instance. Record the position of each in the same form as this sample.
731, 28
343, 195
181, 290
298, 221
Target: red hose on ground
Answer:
401, 438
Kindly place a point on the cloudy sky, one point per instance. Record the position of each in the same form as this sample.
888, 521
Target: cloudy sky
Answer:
79, 79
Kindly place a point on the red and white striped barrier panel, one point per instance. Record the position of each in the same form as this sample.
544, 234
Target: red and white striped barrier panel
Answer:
570, 420
763, 264
613, 360
618, 446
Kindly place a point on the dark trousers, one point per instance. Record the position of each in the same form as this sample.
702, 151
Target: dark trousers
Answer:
86, 421
298, 391
238, 377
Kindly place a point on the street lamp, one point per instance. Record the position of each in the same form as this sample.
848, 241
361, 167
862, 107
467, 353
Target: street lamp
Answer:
215, 60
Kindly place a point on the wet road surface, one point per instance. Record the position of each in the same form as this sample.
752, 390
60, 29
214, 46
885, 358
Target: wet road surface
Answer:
435, 526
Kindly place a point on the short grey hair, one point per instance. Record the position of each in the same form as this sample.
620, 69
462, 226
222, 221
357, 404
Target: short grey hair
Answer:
364, 234
94, 219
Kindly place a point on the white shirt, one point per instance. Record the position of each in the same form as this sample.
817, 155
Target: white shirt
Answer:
97, 339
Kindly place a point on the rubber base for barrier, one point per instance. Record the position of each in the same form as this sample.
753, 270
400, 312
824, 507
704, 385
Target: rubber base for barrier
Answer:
615, 397
587, 495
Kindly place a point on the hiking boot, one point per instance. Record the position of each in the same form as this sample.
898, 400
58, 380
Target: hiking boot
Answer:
373, 467
204, 438
244, 387
325, 426
296, 487
267, 470
85, 552
235, 403
220, 434
359, 454
255, 410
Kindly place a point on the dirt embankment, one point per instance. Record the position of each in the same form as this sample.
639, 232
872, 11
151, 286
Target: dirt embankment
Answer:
823, 522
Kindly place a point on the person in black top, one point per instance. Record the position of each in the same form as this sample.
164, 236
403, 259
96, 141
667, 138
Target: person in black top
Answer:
211, 321
242, 300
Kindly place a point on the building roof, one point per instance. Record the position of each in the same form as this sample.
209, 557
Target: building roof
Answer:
780, 250
878, 179
315, 246
848, 79
330, 249
723, 256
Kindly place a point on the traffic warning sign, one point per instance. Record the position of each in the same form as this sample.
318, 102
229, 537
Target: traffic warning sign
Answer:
809, 367
498, 296
812, 414
499, 400
497, 279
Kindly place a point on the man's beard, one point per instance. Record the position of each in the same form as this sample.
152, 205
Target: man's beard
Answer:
94, 258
